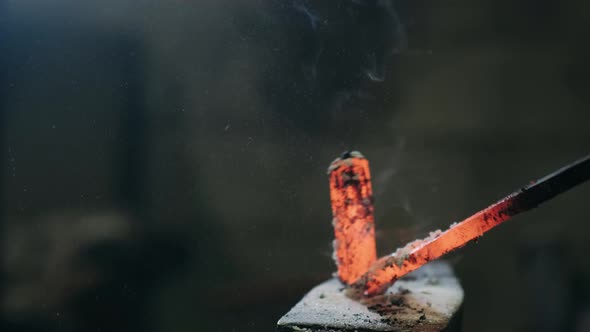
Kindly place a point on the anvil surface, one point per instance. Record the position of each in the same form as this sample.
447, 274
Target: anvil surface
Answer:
428, 299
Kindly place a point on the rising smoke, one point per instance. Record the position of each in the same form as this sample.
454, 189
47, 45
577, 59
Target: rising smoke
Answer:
320, 52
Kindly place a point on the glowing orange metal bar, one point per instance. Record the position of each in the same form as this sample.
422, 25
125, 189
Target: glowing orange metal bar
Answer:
352, 208
389, 269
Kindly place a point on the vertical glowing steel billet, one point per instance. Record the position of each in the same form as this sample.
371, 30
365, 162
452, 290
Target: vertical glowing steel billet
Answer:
351, 196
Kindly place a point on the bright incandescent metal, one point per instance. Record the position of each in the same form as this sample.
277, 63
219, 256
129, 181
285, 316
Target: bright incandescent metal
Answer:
352, 208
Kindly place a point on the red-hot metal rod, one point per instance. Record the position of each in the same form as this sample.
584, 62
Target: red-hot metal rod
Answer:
386, 270
351, 196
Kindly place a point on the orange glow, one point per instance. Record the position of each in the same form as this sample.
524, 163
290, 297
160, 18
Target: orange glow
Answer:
390, 268
352, 208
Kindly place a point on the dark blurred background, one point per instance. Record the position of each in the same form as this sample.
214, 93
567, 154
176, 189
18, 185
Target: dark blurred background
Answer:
164, 161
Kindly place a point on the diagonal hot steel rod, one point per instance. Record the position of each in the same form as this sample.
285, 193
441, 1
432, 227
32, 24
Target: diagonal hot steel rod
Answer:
386, 270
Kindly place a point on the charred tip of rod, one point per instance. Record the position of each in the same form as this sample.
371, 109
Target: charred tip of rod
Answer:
342, 160
351, 154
